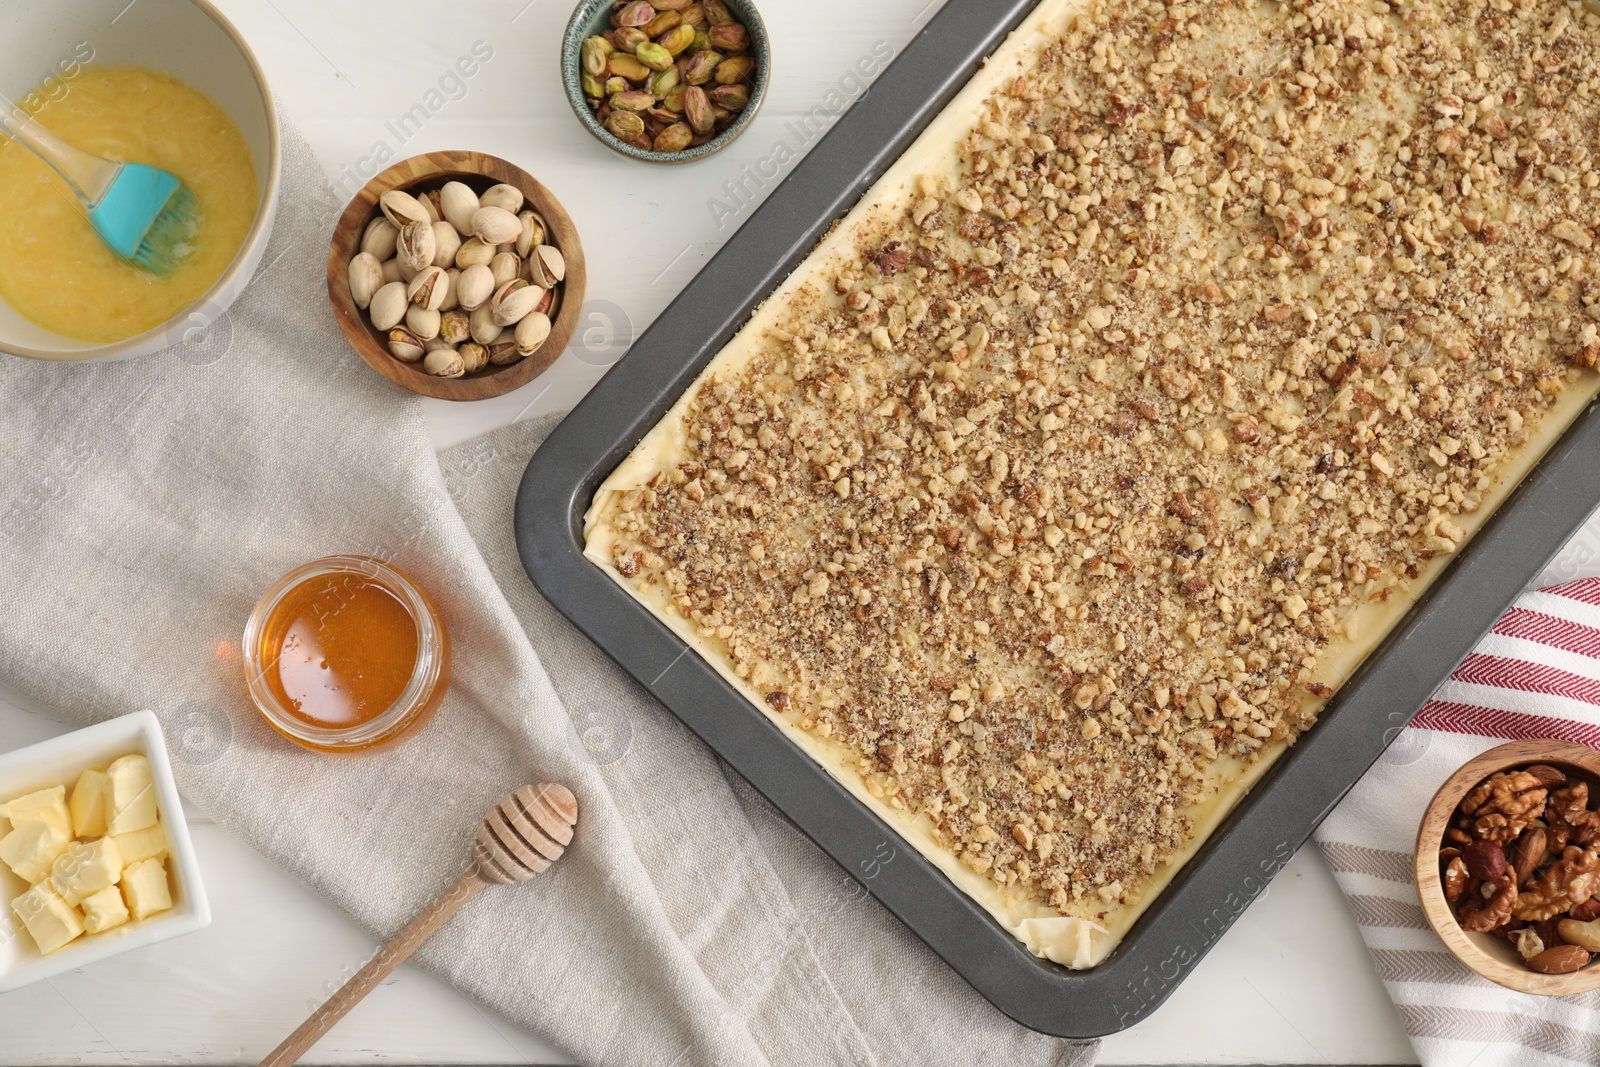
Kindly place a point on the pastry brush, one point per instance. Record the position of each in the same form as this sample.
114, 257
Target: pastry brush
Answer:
142, 213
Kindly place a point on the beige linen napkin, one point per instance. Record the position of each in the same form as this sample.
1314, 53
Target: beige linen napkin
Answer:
144, 505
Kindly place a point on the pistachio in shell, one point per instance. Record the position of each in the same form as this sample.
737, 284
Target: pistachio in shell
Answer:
475, 286
653, 56
388, 306
733, 70
458, 202
505, 266
428, 288
495, 225
379, 238
405, 346
473, 356
482, 325
731, 97
532, 332
503, 353
507, 198
416, 246
400, 207
391, 271
444, 363
452, 299
513, 300
365, 277
424, 322
446, 243
729, 37
547, 266
474, 252
532, 234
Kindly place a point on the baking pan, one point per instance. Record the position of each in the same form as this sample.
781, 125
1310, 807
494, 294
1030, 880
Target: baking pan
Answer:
1235, 865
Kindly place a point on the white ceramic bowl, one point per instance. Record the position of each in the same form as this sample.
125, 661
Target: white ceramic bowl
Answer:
189, 39
59, 761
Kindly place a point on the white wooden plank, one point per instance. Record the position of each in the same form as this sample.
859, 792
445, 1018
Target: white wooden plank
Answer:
1289, 984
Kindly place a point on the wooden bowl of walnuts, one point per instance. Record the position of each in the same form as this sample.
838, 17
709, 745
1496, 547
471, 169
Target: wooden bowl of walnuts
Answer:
482, 302
1508, 866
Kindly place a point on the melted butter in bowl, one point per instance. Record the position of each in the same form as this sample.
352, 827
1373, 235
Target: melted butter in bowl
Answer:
53, 268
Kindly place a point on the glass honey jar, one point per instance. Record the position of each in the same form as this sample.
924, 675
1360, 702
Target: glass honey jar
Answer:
346, 654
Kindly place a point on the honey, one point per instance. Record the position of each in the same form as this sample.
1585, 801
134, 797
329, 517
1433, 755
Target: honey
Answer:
346, 653
341, 650
54, 270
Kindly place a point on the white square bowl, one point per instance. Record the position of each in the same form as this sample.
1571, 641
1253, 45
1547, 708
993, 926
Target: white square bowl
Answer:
59, 761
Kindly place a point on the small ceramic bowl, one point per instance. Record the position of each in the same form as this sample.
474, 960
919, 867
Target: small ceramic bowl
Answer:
1495, 958
59, 761
429, 171
594, 16
194, 42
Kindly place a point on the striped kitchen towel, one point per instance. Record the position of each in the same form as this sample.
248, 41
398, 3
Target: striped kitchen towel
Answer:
1536, 675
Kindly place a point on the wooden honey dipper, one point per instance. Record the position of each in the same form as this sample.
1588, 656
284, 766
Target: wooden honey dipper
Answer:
527, 831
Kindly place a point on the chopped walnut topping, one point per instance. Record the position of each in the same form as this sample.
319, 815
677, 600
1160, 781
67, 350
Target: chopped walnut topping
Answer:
892, 259
1225, 324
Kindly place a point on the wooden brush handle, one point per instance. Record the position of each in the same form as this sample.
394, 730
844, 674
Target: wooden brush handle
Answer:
387, 959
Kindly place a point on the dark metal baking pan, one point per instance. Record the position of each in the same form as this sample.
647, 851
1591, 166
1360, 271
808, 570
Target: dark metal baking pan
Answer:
1258, 838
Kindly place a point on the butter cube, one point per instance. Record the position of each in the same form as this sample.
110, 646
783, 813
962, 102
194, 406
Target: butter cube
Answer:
51, 921
130, 795
88, 804
86, 867
144, 886
32, 847
49, 805
103, 910
149, 843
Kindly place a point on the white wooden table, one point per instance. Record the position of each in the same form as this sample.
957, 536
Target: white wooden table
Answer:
1289, 984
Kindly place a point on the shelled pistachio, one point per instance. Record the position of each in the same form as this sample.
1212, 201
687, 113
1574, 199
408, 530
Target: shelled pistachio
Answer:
635, 74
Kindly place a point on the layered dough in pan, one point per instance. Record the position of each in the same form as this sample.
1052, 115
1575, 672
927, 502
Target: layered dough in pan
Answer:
1052, 496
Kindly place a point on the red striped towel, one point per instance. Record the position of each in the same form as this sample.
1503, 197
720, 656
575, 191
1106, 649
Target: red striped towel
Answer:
1537, 674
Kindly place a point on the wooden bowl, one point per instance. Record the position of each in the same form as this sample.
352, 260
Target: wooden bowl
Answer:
429, 171
1495, 958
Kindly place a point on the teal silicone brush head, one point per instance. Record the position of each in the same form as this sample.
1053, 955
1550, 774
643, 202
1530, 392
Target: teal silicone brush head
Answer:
147, 216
